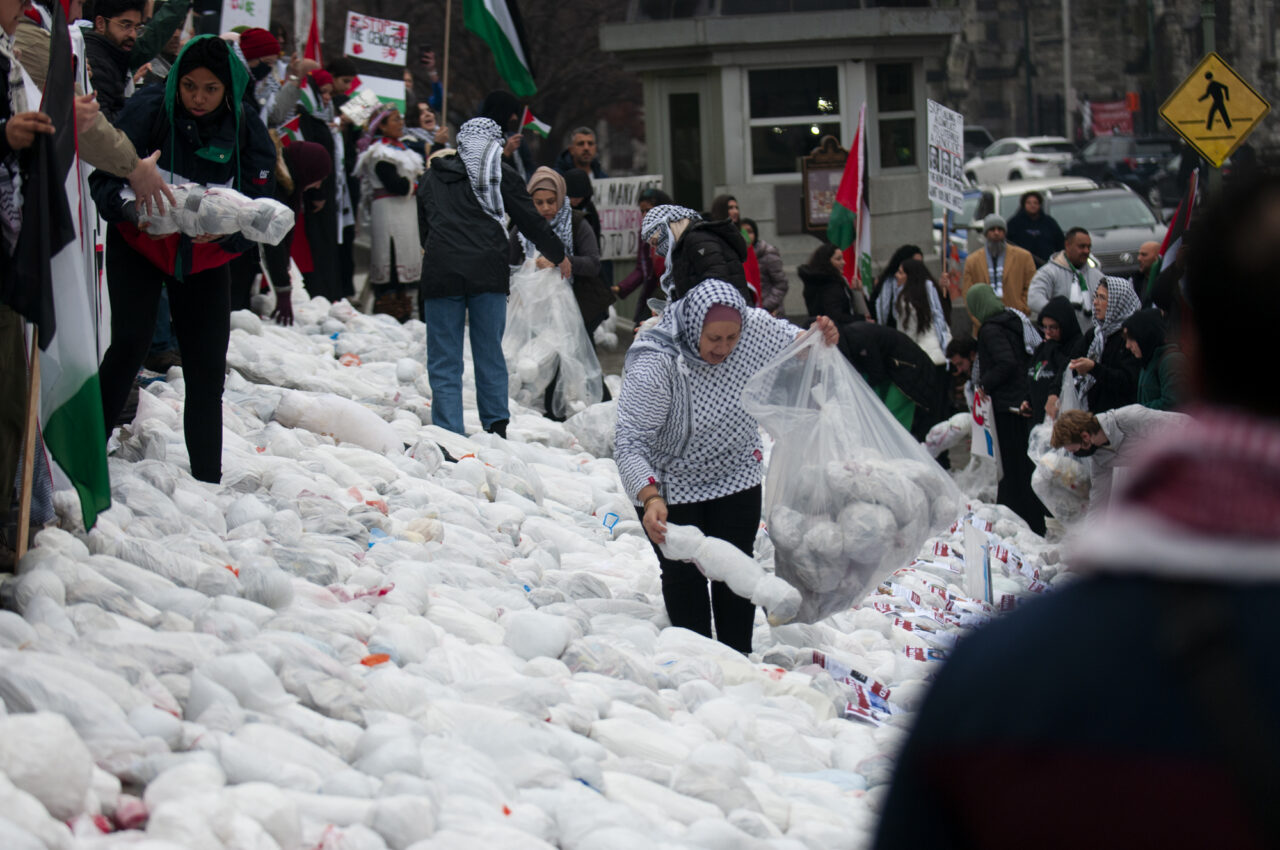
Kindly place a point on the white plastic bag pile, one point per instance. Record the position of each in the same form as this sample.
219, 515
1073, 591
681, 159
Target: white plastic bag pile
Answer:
198, 211
545, 336
353, 644
850, 495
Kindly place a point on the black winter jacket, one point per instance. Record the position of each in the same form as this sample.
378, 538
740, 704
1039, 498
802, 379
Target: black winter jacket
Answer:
322, 227
1002, 357
1042, 236
1115, 374
710, 249
466, 250
146, 124
883, 354
110, 67
827, 294
1048, 363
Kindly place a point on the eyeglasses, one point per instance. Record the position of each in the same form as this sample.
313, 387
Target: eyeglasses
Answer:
129, 26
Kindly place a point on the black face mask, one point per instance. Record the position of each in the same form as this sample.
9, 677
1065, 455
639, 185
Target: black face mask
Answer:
1084, 453
260, 71
313, 196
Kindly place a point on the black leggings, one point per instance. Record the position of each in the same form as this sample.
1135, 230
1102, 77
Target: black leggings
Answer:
735, 518
200, 307
1013, 431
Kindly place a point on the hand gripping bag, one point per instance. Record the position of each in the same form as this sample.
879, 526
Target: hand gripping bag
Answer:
1060, 480
545, 333
849, 496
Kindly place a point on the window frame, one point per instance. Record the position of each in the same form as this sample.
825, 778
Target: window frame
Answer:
838, 117
917, 114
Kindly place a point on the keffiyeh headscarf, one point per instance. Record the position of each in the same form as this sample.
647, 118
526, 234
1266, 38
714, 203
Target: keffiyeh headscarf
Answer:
984, 304
480, 148
1122, 302
680, 328
10, 179
658, 220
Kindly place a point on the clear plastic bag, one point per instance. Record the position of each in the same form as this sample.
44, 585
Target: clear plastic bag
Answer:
198, 210
1060, 480
544, 331
850, 496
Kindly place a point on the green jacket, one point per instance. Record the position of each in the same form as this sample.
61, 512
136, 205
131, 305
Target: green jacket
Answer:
1162, 382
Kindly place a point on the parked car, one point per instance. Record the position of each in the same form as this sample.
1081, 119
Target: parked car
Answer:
976, 140
1003, 198
1020, 159
1118, 220
1136, 161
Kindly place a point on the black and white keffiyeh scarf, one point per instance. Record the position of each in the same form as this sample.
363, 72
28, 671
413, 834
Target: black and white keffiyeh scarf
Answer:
1122, 302
1031, 340
10, 174
658, 220
480, 147
562, 224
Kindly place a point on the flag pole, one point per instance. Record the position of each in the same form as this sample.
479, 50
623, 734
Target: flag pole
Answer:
29, 447
444, 76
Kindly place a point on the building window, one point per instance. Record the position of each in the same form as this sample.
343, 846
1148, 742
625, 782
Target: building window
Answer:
896, 114
789, 111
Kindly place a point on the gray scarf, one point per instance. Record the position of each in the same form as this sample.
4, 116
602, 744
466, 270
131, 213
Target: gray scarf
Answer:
480, 148
658, 220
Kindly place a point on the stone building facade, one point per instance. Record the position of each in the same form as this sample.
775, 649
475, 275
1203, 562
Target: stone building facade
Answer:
1004, 69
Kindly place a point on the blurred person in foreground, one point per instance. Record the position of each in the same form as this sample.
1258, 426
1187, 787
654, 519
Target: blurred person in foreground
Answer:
1168, 623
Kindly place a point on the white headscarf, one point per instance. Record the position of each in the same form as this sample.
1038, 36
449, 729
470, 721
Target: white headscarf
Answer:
480, 147
658, 220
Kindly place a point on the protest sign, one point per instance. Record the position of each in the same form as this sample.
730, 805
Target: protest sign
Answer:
617, 200
245, 13
375, 39
946, 157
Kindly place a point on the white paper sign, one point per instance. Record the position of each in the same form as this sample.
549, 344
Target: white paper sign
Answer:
984, 444
246, 13
617, 200
946, 157
376, 39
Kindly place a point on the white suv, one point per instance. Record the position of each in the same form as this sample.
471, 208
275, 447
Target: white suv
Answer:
1020, 159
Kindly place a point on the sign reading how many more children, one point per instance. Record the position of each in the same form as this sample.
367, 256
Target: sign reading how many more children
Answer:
245, 13
376, 39
617, 201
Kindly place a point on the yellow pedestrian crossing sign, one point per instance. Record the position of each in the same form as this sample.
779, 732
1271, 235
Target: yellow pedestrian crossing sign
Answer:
1214, 109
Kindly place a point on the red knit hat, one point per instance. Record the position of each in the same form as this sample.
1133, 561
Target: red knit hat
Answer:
257, 42
321, 77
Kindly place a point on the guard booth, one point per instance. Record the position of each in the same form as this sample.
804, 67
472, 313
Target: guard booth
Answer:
736, 92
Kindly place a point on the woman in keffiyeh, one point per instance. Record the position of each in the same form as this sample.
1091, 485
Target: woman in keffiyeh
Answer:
1107, 376
465, 277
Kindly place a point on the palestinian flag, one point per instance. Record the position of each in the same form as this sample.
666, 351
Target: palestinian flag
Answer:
849, 228
54, 262
307, 97
529, 121
291, 130
1179, 224
498, 23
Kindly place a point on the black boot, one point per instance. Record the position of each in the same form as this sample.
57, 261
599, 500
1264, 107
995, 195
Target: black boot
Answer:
499, 427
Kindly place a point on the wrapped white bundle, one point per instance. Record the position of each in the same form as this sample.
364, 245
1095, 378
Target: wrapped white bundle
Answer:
850, 496
1060, 480
949, 433
720, 560
220, 211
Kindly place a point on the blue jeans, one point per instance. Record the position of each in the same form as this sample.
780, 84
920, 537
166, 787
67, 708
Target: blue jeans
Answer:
446, 318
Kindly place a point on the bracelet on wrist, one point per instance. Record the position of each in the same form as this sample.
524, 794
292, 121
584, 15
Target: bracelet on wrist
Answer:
650, 500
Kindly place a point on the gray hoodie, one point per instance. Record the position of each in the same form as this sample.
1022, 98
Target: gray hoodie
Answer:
1058, 277
1126, 429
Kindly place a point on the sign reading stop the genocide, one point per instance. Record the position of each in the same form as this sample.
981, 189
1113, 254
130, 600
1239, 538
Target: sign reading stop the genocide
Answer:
1214, 109
376, 39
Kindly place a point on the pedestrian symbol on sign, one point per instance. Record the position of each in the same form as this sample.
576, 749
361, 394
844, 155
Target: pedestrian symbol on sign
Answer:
1220, 94
1198, 109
